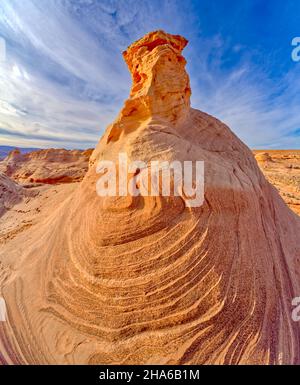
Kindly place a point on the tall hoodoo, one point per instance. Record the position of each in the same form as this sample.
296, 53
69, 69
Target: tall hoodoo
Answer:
161, 85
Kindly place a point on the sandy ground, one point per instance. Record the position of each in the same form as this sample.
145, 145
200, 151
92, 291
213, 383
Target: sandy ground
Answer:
283, 171
31, 210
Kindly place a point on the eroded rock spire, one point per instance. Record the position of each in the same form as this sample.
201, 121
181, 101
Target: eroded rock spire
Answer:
161, 85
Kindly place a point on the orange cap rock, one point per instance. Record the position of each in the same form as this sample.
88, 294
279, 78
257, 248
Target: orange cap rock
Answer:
161, 85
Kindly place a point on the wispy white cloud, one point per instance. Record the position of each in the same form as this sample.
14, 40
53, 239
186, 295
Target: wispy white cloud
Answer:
263, 111
64, 79
71, 86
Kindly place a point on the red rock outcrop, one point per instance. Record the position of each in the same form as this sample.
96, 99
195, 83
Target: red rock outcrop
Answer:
160, 83
114, 280
11, 193
50, 166
282, 169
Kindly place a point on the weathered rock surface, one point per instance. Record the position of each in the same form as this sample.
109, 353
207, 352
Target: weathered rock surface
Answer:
50, 166
148, 279
283, 171
263, 157
11, 193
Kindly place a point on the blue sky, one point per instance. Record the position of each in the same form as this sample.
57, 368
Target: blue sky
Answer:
64, 79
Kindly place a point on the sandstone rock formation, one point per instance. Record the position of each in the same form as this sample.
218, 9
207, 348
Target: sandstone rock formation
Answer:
10, 193
263, 157
5, 150
116, 280
283, 171
50, 166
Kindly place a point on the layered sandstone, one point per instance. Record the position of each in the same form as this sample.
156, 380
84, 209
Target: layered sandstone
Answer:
160, 84
11, 193
123, 280
282, 169
49, 166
